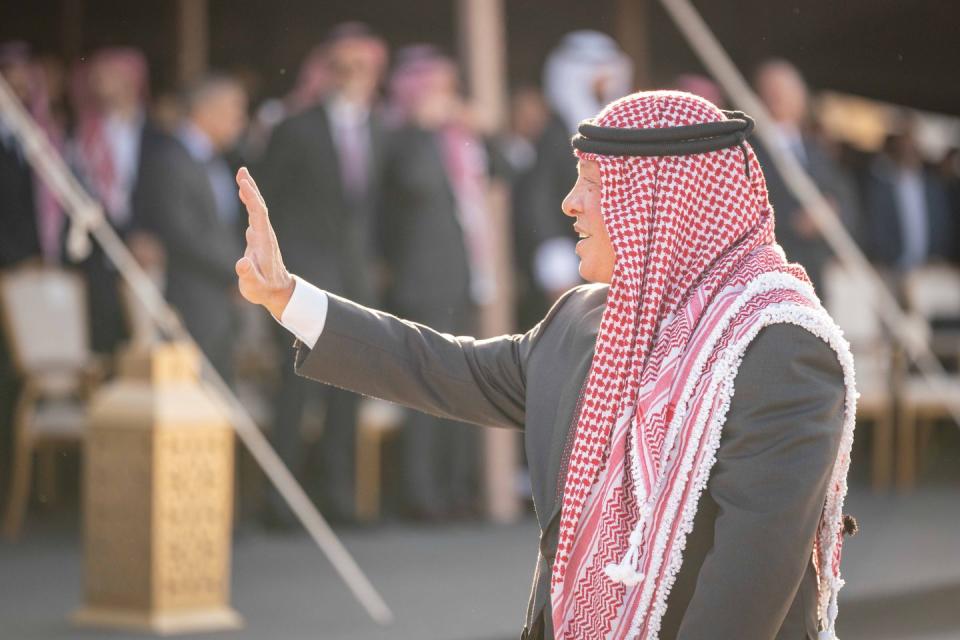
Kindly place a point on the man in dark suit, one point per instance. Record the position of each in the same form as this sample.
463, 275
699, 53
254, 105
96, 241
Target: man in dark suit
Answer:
908, 207
434, 238
784, 92
184, 196
756, 522
20, 239
321, 169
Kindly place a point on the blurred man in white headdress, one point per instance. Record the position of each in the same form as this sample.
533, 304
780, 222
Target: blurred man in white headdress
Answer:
583, 73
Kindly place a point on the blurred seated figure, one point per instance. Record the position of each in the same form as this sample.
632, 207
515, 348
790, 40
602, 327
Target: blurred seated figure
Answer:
109, 93
321, 171
185, 196
909, 219
784, 91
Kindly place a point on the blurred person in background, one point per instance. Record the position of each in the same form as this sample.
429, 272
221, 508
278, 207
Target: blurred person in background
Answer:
908, 210
584, 72
55, 78
312, 86
30, 218
529, 116
109, 94
184, 196
322, 170
701, 86
436, 244
784, 91
949, 171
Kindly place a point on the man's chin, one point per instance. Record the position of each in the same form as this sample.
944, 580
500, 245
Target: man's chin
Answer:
593, 276
587, 273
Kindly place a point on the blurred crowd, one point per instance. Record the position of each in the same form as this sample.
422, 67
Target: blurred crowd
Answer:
376, 173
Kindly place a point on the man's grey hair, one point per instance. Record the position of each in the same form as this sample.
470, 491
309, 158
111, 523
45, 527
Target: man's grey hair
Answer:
206, 87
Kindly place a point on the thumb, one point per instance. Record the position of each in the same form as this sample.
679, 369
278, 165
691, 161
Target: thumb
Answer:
246, 269
243, 266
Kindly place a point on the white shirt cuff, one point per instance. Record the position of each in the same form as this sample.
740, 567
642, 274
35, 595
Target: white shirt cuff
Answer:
306, 313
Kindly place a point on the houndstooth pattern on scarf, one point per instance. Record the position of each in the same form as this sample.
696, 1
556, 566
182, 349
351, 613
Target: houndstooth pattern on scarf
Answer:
697, 270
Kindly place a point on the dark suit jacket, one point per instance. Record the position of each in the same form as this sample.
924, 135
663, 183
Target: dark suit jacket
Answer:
18, 213
812, 253
326, 239
420, 235
885, 236
747, 570
174, 194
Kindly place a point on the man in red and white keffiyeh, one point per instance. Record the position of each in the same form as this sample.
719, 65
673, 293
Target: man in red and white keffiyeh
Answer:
677, 239
697, 274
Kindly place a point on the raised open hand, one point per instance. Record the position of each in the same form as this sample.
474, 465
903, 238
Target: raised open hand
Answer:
262, 277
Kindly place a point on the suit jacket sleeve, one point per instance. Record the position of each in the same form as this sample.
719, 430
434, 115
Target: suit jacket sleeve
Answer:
777, 452
462, 378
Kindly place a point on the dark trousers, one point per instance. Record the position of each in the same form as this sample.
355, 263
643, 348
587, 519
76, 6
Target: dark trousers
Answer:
439, 464
108, 327
214, 328
327, 469
440, 457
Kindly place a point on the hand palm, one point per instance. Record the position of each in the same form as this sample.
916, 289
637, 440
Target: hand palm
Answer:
263, 278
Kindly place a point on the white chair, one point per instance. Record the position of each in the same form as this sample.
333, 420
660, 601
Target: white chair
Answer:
851, 300
931, 292
376, 420
44, 313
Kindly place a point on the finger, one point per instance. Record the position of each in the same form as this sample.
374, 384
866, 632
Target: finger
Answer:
244, 174
256, 211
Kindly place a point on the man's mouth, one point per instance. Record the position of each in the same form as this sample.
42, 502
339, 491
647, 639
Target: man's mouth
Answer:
581, 233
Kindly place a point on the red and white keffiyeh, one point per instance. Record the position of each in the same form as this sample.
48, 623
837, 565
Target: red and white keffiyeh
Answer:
698, 274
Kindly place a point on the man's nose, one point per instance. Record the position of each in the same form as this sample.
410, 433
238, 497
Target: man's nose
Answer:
570, 205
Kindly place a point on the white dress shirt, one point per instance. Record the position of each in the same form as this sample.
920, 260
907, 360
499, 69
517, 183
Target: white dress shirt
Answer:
123, 140
914, 218
350, 128
306, 312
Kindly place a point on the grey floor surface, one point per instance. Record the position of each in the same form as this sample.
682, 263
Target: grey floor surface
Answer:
470, 581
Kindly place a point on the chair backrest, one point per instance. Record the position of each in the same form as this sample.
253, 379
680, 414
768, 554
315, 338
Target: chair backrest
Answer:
44, 313
851, 300
934, 291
